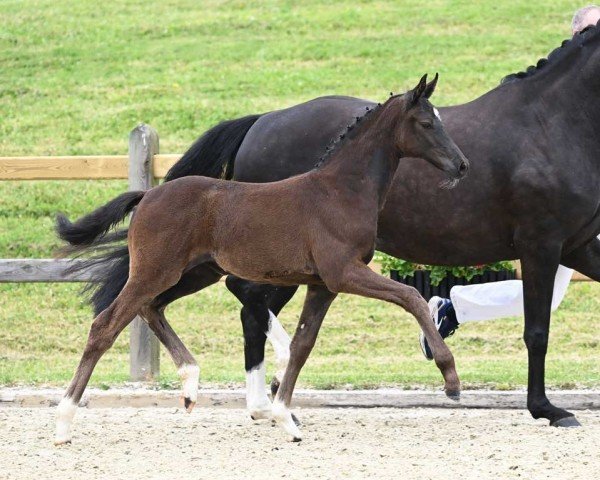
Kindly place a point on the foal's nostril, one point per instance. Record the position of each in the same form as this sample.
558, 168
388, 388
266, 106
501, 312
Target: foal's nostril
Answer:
463, 167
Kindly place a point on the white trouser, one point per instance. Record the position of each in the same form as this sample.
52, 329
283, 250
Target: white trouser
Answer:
488, 301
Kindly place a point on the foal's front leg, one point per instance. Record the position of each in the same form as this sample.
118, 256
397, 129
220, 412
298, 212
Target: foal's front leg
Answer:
316, 304
359, 279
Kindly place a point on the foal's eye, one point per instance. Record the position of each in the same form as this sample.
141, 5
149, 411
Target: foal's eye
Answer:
427, 125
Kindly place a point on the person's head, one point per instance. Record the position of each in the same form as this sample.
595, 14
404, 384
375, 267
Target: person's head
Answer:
585, 17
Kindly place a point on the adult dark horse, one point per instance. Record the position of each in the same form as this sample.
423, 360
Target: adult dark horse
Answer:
317, 229
532, 193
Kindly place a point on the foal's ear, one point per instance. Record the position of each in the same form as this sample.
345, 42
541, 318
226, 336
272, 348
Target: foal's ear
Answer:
417, 92
430, 88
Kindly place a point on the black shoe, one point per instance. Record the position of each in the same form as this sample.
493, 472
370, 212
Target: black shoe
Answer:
444, 318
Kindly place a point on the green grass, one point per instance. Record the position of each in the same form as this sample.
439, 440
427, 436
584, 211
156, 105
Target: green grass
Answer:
77, 76
363, 342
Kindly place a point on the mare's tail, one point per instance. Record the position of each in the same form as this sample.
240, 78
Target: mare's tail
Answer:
212, 155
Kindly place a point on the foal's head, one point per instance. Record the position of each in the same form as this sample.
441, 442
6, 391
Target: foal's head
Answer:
419, 132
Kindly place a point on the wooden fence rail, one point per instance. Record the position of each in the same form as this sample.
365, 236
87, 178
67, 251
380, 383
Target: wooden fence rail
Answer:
143, 166
30, 271
90, 167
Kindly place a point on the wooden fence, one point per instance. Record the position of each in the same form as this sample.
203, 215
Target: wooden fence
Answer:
143, 166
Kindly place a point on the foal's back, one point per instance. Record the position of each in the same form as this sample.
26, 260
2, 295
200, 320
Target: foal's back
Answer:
259, 231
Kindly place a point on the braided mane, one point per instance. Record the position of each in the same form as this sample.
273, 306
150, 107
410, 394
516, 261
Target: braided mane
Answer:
566, 48
350, 132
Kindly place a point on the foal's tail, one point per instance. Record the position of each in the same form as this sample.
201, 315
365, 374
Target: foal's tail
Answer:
110, 264
85, 231
212, 155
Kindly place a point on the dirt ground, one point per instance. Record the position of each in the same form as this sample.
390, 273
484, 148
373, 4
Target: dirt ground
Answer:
156, 443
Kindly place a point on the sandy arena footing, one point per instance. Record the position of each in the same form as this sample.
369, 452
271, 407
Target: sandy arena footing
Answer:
139, 395
419, 443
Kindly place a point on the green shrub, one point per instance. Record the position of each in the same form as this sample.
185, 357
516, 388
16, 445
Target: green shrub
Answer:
437, 272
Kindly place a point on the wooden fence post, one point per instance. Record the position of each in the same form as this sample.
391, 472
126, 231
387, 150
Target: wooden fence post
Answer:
144, 346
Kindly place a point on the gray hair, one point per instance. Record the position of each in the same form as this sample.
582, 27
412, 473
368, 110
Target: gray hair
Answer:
577, 24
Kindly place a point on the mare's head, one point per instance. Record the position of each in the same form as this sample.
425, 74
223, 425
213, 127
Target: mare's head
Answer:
419, 132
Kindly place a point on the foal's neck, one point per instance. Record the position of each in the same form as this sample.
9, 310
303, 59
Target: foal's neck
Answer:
365, 161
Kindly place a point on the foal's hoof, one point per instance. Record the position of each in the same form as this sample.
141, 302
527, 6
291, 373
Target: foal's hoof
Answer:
189, 374
58, 442
453, 395
284, 419
274, 386
189, 404
297, 422
261, 414
566, 422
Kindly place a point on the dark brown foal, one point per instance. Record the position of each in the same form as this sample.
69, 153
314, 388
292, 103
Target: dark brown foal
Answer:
317, 229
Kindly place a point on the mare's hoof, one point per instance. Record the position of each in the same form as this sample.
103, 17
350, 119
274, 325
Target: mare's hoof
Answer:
274, 386
188, 404
567, 422
296, 421
453, 395
296, 439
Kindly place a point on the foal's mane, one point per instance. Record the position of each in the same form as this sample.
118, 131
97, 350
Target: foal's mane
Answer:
566, 48
350, 133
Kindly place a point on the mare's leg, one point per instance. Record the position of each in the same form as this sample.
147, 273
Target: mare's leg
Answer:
317, 303
539, 265
192, 281
359, 279
261, 303
585, 259
279, 338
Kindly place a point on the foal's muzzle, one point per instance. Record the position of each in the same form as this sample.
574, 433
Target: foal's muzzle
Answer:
463, 168
460, 171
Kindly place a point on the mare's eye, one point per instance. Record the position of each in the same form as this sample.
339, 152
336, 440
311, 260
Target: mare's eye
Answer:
427, 125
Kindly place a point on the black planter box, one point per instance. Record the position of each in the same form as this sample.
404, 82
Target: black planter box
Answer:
420, 280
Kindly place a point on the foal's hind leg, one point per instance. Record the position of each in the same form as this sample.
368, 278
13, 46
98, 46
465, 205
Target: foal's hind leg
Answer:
104, 330
187, 367
146, 280
192, 281
359, 279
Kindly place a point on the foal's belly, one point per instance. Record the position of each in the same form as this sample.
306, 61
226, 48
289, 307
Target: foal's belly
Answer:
261, 269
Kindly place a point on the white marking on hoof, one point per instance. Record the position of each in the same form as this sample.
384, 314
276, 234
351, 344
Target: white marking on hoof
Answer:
257, 400
437, 114
64, 418
190, 375
283, 417
281, 344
